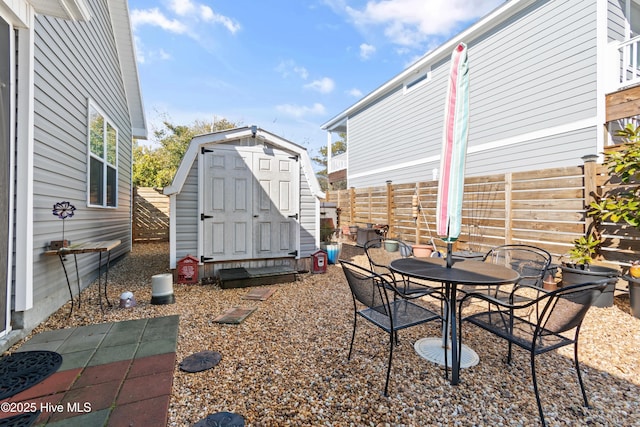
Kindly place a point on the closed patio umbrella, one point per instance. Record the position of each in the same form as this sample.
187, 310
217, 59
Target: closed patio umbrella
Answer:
449, 206
454, 151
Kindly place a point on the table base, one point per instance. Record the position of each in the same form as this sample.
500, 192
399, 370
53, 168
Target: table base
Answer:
431, 349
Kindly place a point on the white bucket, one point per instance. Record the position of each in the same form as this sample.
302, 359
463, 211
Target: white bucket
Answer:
162, 289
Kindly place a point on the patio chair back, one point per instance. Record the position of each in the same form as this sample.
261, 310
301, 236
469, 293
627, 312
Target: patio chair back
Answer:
380, 258
538, 325
373, 302
367, 288
566, 307
529, 261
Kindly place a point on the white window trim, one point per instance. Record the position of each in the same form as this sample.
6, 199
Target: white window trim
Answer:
419, 79
107, 121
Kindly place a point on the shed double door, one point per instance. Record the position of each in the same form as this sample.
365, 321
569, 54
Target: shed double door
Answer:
251, 199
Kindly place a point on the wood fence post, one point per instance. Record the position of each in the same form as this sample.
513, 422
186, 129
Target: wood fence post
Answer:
590, 187
508, 211
352, 204
390, 209
420, 215
369, 220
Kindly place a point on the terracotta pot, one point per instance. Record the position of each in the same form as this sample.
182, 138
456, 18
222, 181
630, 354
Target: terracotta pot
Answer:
422, 251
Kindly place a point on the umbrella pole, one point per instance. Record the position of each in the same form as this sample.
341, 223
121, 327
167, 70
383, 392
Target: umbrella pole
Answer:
449, 255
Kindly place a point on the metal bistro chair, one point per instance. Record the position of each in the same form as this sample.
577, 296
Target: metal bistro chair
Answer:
371, 301
379, 260
556, 313
529, 261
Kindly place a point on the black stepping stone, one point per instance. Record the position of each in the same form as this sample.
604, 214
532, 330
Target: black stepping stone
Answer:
221, 419
200, 361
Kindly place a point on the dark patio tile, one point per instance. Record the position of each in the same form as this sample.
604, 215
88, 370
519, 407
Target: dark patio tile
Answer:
58, 382
51, 336
98, 396
152, 365
80, 343
145, 387
122, 337
103, 373
152, 348
93, 418
130, 326
150, 412
50, 345
92, 330
159, 333
165, 321
78, 359
104, 355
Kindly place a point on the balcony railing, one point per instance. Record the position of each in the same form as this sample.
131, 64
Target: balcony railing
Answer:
624, 61
338, 162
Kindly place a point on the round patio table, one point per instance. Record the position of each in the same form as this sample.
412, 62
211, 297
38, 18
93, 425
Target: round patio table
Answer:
462, 272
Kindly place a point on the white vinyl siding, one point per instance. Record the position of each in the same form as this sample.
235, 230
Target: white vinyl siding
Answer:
308, 218
187, 215
534, 73
75, 62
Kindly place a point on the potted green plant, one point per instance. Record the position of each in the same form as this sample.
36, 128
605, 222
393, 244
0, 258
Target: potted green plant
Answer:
580, 268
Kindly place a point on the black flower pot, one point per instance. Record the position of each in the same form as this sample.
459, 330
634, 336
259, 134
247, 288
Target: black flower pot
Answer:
634, 295
576, 275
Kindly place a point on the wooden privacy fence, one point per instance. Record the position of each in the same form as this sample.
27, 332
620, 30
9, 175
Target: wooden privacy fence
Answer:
150, 215
545, 208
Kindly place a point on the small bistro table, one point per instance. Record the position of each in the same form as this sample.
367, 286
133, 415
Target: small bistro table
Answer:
466, 272
83, 248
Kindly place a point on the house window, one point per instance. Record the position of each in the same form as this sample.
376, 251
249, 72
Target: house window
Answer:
417, 81
103, 160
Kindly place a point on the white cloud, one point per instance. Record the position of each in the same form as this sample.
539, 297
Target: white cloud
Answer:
366, 50
356, 93
301, 110
156, 18
409, 22
208, 15
189, 15
288, 67
323, 85
182, 7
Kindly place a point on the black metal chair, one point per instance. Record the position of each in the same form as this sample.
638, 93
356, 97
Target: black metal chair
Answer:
529, 261
380, 258
537, 330
371, 301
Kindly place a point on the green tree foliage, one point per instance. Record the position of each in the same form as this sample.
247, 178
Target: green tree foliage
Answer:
156, 166
622, 204
337, 147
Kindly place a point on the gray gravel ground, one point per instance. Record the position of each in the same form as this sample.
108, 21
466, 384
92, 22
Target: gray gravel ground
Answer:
286, 364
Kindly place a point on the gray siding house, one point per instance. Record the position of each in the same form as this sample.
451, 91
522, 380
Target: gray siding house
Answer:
70, 107
540, 73
244, 197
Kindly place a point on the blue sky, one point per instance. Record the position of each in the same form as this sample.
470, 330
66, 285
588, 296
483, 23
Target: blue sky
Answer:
287, 66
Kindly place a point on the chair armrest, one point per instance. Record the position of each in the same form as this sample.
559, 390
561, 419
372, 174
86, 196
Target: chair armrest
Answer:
539, 289
498, 302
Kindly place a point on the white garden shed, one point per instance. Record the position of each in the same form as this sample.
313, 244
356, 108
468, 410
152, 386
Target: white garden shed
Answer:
244, 197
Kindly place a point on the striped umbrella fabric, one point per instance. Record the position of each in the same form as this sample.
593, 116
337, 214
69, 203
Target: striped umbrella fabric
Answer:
454, 148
